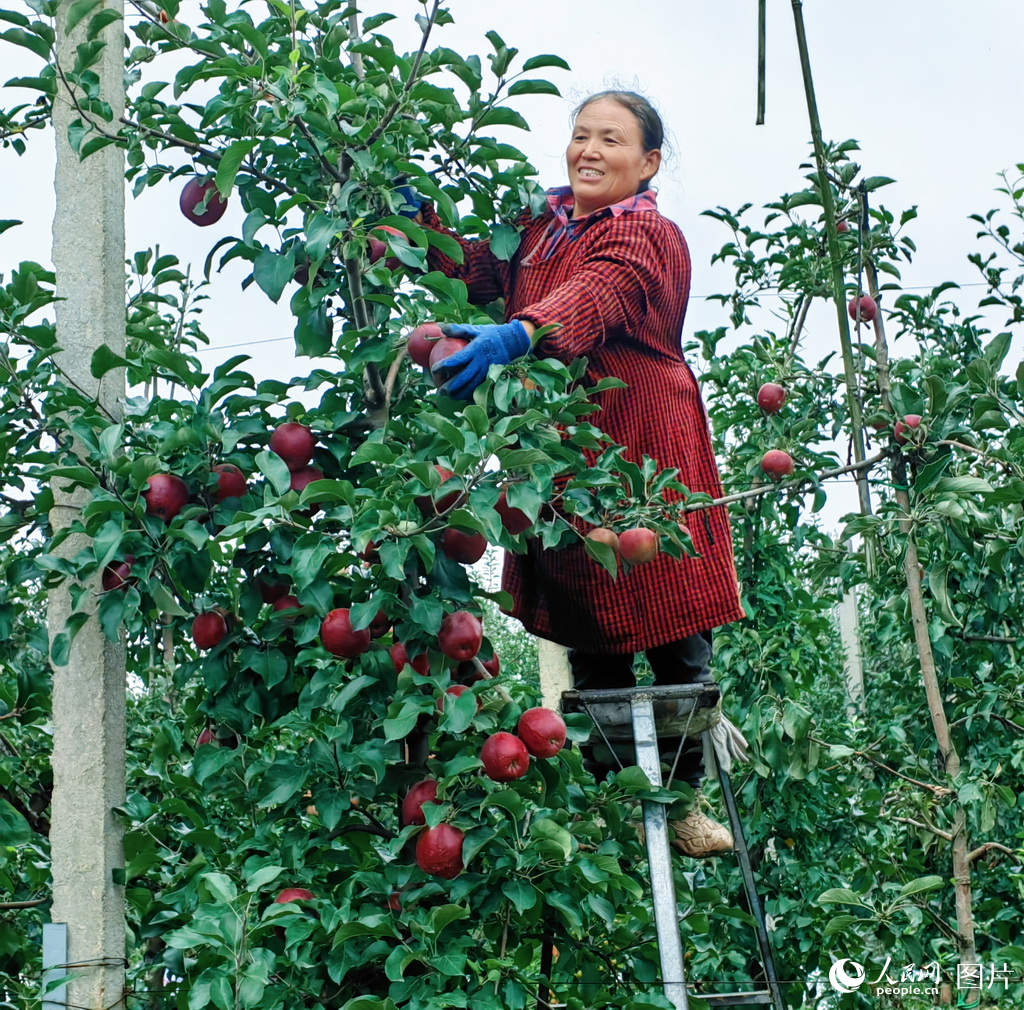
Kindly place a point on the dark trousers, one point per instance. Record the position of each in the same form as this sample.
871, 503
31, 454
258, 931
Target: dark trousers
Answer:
684, 662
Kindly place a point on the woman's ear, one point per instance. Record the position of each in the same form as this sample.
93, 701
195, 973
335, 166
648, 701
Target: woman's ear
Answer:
652, 162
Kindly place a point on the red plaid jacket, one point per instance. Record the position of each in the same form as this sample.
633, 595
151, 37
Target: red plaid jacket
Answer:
617, 282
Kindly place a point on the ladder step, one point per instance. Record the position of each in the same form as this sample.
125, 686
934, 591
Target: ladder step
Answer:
735, 998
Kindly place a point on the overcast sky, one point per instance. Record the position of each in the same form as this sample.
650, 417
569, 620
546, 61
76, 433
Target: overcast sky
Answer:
930, 88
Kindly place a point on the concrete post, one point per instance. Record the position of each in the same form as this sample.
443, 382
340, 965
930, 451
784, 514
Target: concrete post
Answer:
89, 692
849, 634
555, 675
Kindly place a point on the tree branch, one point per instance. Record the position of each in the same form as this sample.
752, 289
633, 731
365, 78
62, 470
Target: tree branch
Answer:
925, 827
788, 484
379, 129
986, 847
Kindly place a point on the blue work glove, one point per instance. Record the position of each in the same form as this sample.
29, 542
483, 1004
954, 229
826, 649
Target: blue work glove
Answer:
413, 200
490, 345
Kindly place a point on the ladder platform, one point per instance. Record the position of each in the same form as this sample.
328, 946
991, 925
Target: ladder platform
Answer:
679, 709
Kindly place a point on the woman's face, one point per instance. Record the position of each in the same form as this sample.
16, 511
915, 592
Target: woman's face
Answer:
606, 157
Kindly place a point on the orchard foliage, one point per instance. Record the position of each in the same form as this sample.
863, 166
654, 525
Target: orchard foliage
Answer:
266, 762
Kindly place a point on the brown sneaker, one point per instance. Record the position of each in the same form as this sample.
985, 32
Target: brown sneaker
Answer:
697, 835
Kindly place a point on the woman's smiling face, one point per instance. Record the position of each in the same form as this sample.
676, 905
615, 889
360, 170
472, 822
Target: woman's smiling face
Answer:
606, 157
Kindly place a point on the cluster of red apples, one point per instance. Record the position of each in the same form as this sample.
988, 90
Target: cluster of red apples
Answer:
541, 733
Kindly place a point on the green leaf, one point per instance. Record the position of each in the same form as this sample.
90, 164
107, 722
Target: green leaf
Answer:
100, 21
263, 876
220, 886
921, 884
876, 182
502, 116
839, 924
272, 271
14, 829
521, 893
230, 161
275, 470
504, 241
444, 915
105, 360
165, 601
535, 87
603, 554
550, 831
963, 485
78, 10
545, 60
840, 896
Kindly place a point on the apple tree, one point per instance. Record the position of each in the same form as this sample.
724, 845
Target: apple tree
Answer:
277, 553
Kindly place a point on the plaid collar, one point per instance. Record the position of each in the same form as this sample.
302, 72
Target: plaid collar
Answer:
561, 203
563, 228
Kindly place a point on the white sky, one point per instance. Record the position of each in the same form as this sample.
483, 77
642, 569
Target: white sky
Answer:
930, 88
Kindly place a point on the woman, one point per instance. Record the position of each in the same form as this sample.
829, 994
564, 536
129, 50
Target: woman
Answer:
614, 275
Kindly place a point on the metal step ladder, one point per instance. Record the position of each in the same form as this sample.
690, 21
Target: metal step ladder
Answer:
628, 720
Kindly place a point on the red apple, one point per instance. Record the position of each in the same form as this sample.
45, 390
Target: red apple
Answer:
294, 443
293, 894
770, 397
166, 495
777, 463
400, 657
505, 757
395, 902
466, 548
305, 475
231, 482
444, 348
909, 422
461, 635
412, 805
456, 691
542, 730
287, 602
514, 520
492, 665
425, 503
193, 194
207, 736
339, 638
638, 546
380, 625
208, 629
602, 535
116, 574
439, 851
421, 343
842, 227
868, 308
270, 591
378, 248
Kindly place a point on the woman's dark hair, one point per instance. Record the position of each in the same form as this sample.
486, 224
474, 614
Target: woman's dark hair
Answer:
652, 129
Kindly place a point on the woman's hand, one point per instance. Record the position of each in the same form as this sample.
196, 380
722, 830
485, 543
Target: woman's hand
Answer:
490, 345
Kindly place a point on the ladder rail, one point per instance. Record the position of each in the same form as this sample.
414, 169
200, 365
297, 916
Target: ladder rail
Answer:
659, 857
746, 871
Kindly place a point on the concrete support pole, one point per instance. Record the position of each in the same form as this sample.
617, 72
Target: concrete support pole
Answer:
849, 635
555, 675
89, 692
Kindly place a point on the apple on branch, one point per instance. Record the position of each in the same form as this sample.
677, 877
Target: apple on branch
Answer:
777, 463
505, 757
543, 731
339, 637
166, 495
192, 196
439, 851
770, 397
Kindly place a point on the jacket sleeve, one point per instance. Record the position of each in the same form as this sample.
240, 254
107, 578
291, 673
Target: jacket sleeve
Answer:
483, 273
624, 273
